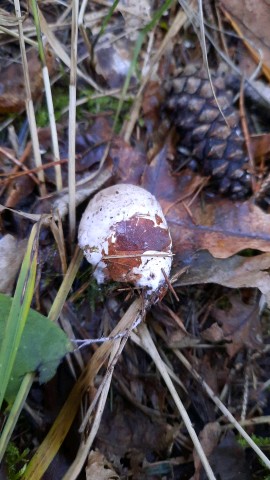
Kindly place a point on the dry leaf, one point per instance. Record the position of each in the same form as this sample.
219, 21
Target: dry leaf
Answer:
209, 438
12, 97
252, 19
126, 430
113, 59
219, 225
213, 334
11, 256
234, 272
228, 460
129, 163
260, 144
179, 339
136, 13
18, 190
114, 52
98, 468
223, 227
169, 189
240, 324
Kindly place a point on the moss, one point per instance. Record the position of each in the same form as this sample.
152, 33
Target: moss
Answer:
106, 104
60, 101
92, 105
260, 441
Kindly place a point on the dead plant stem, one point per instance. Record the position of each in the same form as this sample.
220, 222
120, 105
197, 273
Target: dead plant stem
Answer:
147, 342
29, 103
222, 407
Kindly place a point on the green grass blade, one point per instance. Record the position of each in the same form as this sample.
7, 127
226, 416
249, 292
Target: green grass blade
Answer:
19, 311
105, 22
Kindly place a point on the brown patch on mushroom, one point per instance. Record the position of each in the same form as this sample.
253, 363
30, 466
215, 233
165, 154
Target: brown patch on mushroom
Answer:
129, 240
122, 269
140, 234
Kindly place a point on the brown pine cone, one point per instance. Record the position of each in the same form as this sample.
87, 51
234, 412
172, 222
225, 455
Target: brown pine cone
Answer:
216, 149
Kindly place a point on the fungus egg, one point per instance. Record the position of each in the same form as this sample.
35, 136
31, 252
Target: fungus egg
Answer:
124, 235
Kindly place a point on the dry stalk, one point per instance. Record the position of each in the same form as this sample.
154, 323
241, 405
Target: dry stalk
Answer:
146, 342
100, 400
72, 121
61, 53
48, 94
222, 407
177, 24
116, 347
55, 144
50, 445
29, 102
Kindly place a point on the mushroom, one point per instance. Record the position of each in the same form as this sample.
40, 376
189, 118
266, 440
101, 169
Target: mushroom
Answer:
124, 235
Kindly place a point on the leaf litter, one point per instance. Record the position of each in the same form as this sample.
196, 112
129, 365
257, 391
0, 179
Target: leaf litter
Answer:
221, 263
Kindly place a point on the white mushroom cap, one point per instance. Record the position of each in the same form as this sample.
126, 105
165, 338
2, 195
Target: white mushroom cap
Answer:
125, 236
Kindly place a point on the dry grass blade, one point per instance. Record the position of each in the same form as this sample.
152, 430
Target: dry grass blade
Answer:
51, 444
249, 422
57, 231
223, 409
198, 25
61, 53
72, 121
147, 343
14, 34
8, 20
81, 23
84, 189
177, 24
101, 396
53, 41
29, 103
55, 144
48, 93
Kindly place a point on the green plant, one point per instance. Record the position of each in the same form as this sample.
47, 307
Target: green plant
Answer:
16, 461
261, 442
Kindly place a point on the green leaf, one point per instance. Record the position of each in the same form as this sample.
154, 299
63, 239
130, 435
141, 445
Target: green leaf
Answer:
15, 323
43, 345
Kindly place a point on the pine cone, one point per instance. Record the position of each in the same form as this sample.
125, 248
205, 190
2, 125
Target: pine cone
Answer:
216, 149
